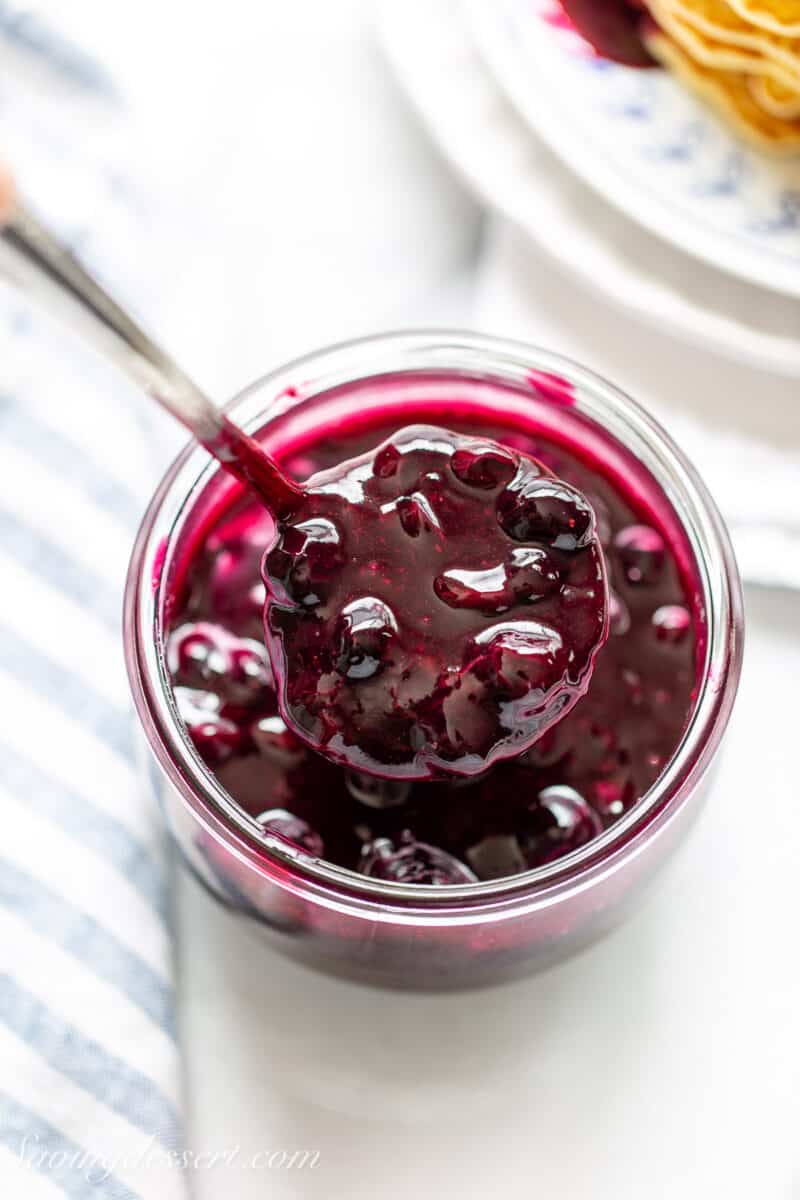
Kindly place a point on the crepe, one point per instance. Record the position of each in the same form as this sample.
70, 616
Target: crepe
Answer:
777, 16
713, 34
729, 93
774, 97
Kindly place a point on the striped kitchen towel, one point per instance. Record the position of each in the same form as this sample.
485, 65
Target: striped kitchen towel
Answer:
89, 1063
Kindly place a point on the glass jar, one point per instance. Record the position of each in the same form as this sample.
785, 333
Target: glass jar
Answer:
412, 935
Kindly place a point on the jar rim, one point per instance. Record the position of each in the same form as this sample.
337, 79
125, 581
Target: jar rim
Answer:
461, 355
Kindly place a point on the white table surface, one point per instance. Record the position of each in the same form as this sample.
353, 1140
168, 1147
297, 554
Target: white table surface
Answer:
664, 1061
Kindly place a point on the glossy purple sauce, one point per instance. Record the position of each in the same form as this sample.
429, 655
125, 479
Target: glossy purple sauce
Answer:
581, 776
434, 606
612, 29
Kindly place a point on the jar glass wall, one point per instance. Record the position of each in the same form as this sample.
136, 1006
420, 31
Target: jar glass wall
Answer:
412, 935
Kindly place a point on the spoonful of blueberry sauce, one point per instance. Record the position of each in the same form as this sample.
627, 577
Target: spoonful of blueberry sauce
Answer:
433, 606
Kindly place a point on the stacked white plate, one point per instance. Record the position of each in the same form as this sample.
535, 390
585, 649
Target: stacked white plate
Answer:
619, 174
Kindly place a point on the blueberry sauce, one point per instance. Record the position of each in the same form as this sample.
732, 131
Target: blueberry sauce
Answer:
612, 29
436, 606
581, 775
385, 576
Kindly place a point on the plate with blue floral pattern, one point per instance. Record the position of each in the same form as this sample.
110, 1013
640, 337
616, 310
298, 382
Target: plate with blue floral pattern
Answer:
647, 145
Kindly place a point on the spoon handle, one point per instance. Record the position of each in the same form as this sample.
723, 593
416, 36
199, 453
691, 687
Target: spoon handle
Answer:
35, 260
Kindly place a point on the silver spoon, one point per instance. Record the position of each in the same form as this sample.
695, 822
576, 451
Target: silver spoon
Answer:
34, 259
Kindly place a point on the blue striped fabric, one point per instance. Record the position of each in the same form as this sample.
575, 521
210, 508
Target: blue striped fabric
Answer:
111, 1079
89, 825
90, 1076
49, 913
49, 561
21, 657
76, 1173
90, 1103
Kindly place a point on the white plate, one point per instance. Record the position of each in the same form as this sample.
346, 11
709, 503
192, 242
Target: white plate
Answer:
432, 53
645, 143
